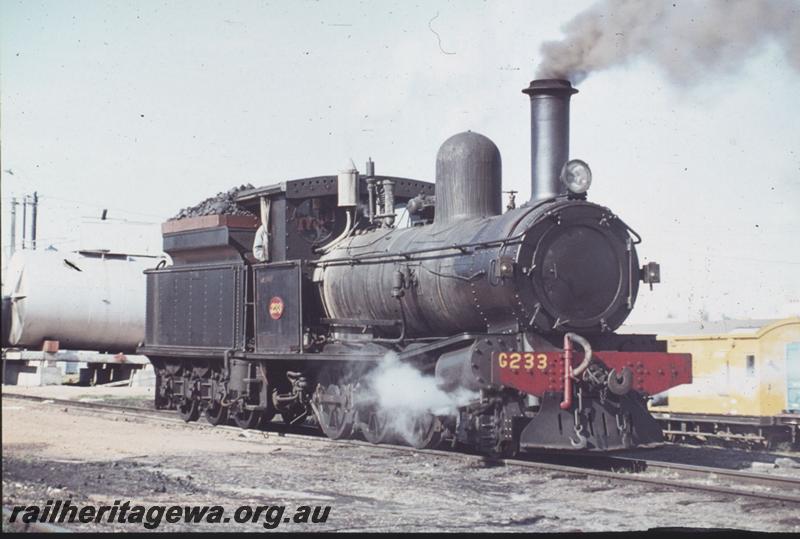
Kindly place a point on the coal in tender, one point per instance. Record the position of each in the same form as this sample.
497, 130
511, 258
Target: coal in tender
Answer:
221, 204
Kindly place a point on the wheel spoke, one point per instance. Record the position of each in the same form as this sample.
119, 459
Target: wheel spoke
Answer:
189, 409
375, 427
329, 407
247, 419
216, 414
427, 432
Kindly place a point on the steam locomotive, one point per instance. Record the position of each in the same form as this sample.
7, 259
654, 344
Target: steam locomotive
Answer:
287, 312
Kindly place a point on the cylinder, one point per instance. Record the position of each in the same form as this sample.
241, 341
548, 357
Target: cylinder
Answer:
468, 178
454, 370
84, 302
549, 135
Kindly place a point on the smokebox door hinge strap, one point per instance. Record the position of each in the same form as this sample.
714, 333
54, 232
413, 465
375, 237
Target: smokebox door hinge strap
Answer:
629, 248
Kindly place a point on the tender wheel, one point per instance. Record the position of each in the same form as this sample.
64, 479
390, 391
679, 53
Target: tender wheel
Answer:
333, 412
247, 419
216, 414
189, 409
427, 432
375, 426
161, 402
163, 392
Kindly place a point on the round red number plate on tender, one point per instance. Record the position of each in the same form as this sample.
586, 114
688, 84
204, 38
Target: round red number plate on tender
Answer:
276, 307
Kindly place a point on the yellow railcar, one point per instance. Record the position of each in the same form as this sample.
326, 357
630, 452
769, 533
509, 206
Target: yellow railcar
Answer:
745, 386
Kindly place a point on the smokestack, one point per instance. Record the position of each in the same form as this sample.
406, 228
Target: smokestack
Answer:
549, 135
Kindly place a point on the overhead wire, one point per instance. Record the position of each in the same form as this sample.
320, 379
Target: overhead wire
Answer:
121, 210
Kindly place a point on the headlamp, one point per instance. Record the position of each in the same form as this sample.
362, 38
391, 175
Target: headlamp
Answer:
577, 176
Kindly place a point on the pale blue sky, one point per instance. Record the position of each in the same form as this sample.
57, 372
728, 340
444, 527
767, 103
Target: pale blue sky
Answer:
146, 107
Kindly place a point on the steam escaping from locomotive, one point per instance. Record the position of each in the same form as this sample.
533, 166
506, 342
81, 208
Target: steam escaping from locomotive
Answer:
685, 39
406, 395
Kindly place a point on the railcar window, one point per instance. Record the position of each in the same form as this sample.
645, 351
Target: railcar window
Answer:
751, 366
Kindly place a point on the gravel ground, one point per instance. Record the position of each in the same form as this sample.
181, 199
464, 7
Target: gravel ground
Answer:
123, 396
57, 452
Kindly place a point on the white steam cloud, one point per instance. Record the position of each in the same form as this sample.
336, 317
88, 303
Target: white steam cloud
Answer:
405, 394
688, 40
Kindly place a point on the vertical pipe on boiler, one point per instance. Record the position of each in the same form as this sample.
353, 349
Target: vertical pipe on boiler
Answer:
371, 189
388, 202
549, 135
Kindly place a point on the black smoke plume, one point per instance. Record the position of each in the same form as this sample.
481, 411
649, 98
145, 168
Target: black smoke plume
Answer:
688, 40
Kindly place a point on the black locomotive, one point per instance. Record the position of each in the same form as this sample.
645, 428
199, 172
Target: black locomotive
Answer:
288, 312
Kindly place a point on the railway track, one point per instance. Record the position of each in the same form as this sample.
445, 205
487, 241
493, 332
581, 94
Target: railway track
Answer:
616, 468
680, 476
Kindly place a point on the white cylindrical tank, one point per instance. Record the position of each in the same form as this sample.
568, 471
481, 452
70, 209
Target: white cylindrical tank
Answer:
83, 301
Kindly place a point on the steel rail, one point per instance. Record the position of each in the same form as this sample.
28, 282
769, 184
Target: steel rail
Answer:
660, 481
91, 404
585, 469
167, 416
692, 470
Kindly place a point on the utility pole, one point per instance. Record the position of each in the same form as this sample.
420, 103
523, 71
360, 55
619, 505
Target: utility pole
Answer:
13, 227
33, 218
24, 220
